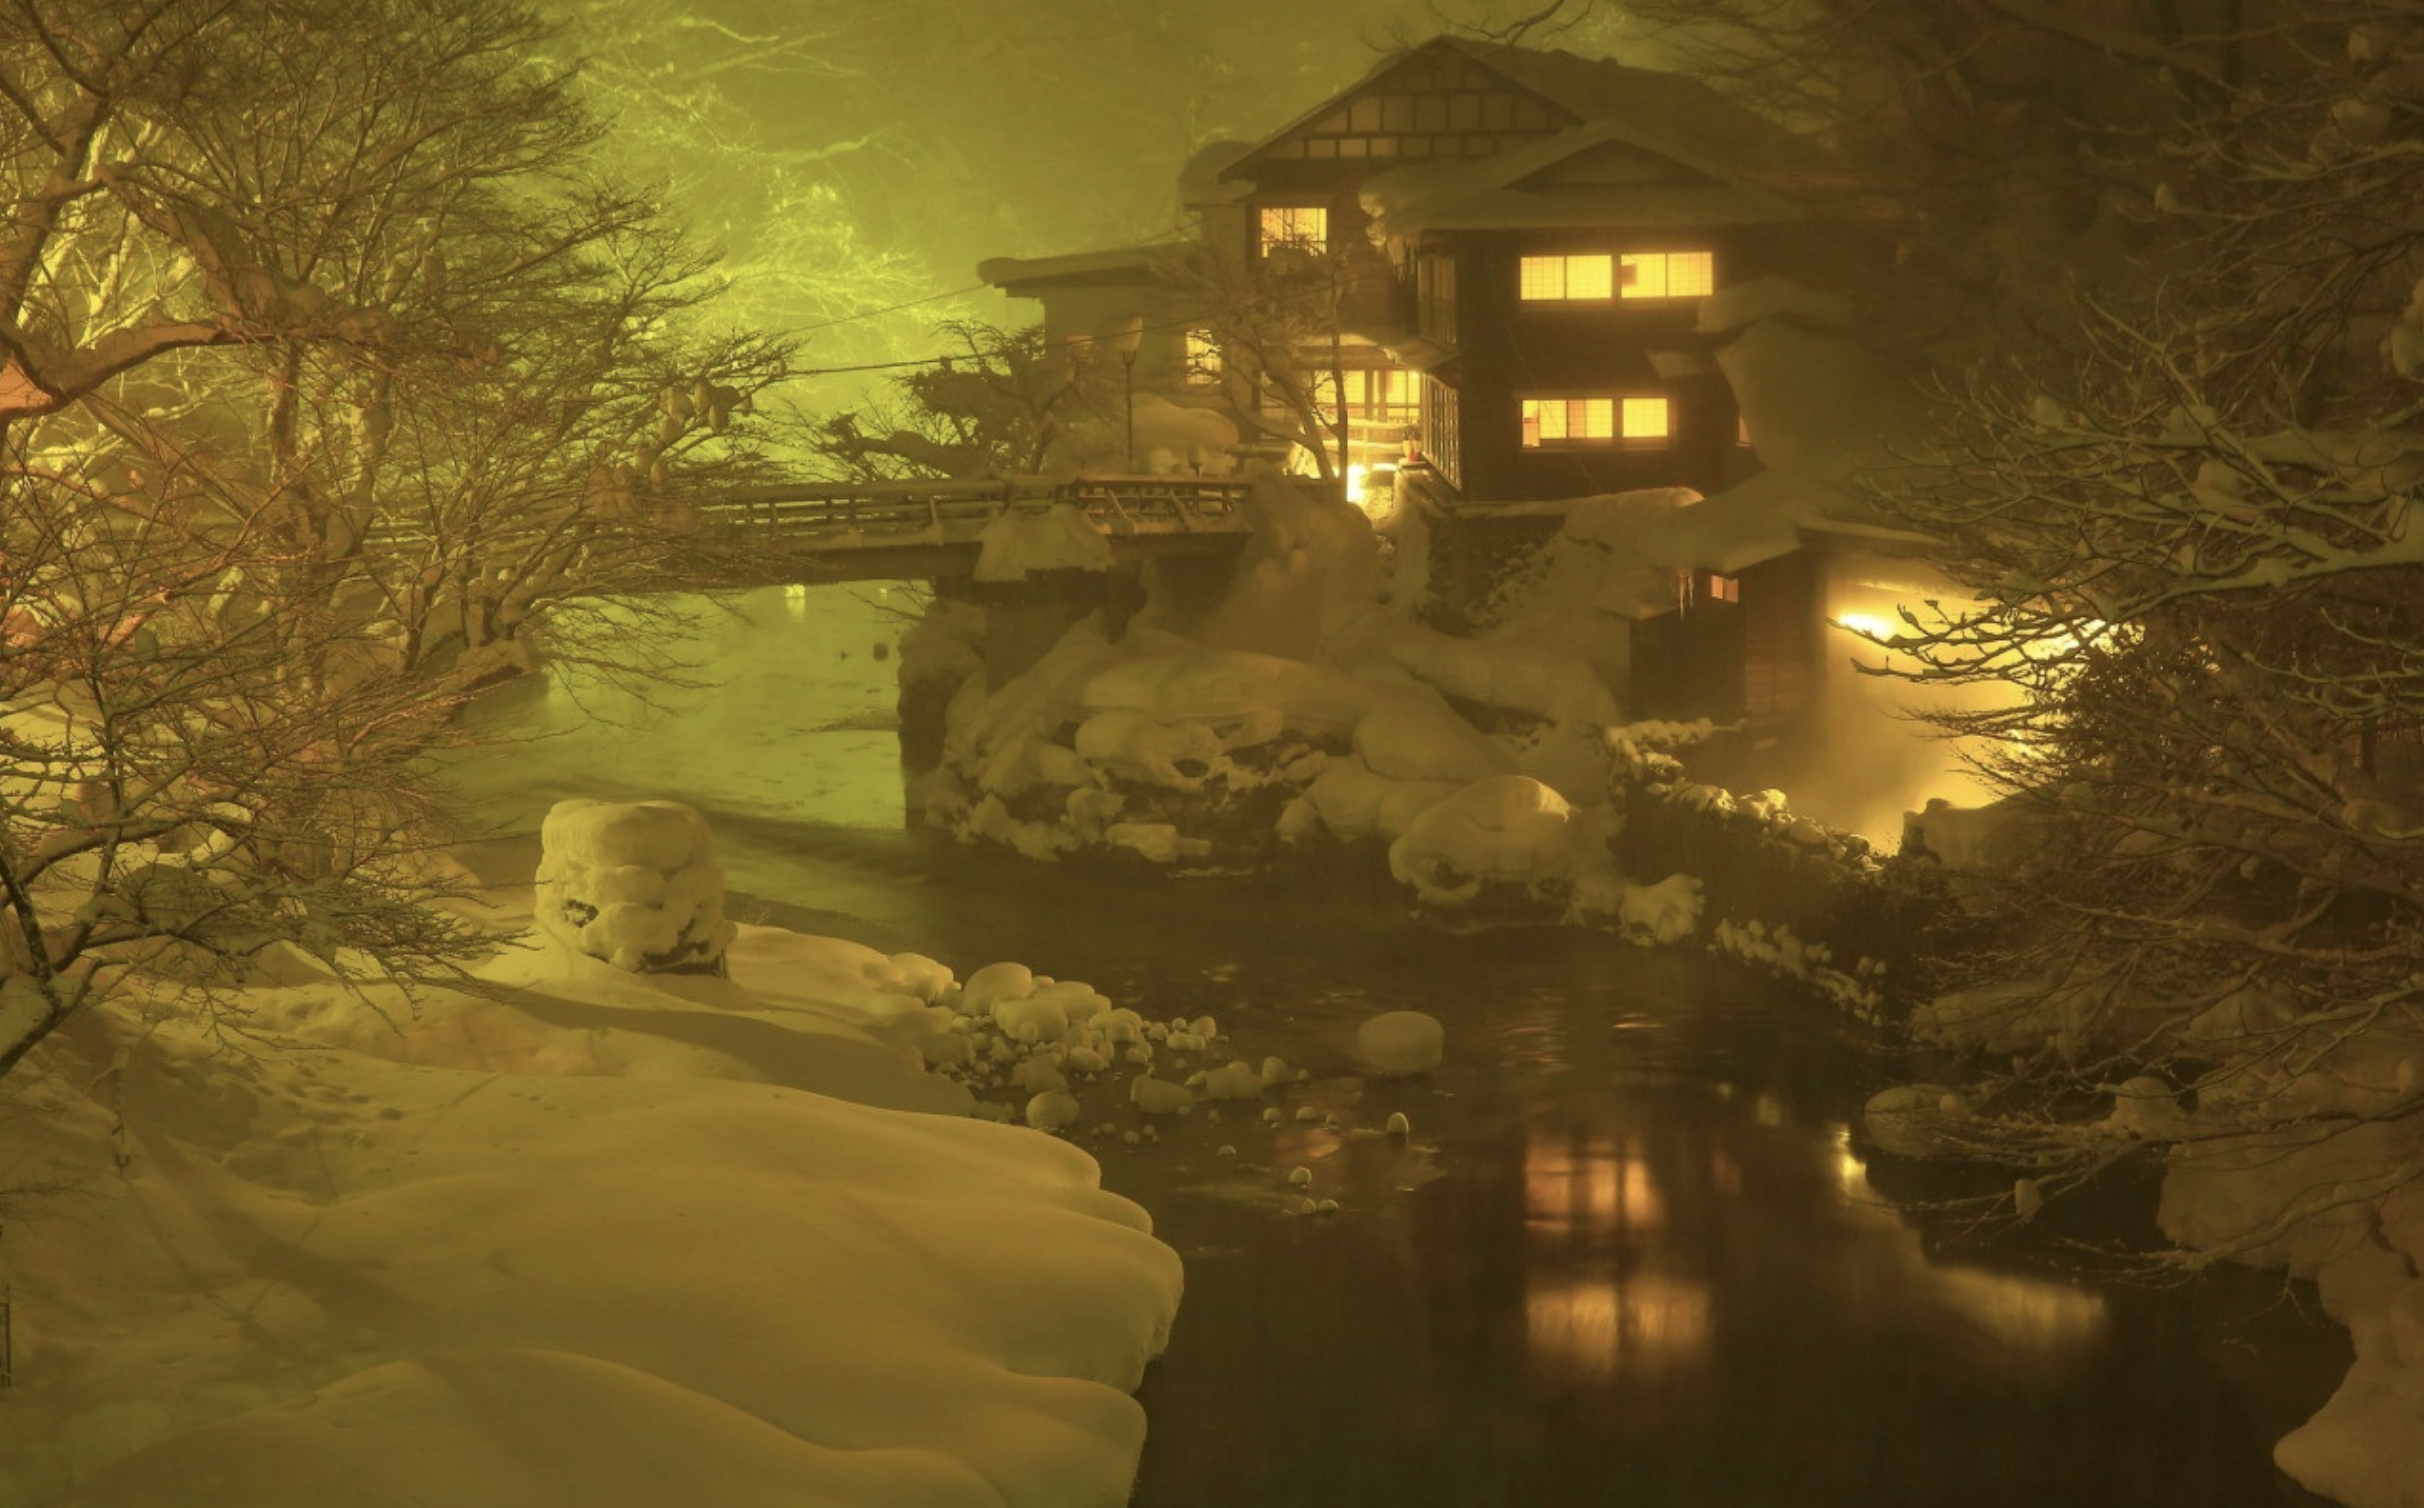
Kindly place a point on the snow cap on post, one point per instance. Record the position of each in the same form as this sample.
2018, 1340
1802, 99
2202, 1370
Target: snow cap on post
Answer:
635, 884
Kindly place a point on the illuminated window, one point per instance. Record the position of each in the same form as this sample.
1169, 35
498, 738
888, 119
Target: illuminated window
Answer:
1724, 588
1646, 419
1668, 274
1386, 393
1569, 278
1203, 356
1554, 422
1295, 225
1381, 402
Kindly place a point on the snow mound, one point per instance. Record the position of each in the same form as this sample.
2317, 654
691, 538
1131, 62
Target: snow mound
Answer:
1397, 1043
1507, 830
540, 1429
635, 884
563, 1246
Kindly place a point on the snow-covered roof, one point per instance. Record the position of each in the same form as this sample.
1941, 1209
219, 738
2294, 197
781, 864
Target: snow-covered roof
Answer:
1771, 514
1548, 185
1120, 266
1669, 113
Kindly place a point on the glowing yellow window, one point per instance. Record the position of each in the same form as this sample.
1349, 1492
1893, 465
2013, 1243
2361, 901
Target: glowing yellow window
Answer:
1594, 421
1568, 420
1568, 278
1295, 225
1203, 356
1646, 419
1668, 274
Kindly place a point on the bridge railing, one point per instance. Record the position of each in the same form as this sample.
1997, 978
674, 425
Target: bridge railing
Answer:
832, 514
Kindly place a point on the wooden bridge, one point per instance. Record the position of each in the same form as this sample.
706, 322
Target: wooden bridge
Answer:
896, 531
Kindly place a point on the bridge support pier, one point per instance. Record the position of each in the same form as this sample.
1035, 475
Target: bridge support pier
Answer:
1025, 618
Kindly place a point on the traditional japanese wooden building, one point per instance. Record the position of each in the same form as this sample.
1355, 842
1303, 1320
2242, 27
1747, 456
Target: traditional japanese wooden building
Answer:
1532, 242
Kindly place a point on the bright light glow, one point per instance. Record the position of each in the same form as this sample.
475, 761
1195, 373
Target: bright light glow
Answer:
1866, 625
1356, 476
1601, 1328
1851, 1174
1295, 225
1593, 1186
1560, 279
2035, 1321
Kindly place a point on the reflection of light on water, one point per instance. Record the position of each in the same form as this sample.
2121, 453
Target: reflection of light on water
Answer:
2032, 1319
1851, 1174
1589, 1184
795, 601
1600, 1327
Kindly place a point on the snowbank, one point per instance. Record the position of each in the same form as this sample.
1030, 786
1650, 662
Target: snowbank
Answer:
582, 1241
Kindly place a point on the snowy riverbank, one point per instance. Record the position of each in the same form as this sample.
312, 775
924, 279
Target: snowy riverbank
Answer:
579, 1238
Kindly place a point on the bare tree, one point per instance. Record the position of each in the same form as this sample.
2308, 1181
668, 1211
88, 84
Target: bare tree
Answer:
1005, 403
1278, 322
332, 363
2192, 553
193, 770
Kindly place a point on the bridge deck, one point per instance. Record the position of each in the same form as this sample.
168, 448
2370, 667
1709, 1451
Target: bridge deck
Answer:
859, 531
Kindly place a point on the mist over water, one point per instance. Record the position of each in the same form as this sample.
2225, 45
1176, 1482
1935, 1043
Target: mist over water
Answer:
1631, 1251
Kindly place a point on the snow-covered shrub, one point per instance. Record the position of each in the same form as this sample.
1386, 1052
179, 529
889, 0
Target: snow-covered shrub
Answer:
635, 884
1506, 837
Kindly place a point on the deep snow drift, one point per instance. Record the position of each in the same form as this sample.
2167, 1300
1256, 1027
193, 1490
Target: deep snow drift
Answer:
587, 1239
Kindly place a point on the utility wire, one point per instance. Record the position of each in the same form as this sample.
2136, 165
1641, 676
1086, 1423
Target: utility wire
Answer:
850, 319
1178, 229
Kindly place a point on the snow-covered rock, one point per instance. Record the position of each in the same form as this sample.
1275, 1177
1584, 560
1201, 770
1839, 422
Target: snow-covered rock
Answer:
1399, 1043
1506, 830
635, 884
1922, 1121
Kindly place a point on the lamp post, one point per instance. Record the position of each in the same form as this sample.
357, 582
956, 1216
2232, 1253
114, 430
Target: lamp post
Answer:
1128, 339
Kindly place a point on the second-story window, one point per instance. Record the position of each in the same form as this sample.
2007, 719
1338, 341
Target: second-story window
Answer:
1560, 423
1600, 276
1560, 279
1306, 225
1667, 274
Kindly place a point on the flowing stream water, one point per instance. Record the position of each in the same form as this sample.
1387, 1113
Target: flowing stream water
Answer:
1628, 1254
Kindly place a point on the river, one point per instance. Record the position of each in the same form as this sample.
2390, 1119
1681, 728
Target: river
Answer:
1628, 1253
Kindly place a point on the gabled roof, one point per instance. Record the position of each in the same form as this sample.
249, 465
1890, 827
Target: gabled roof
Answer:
1666, 110
1605, 172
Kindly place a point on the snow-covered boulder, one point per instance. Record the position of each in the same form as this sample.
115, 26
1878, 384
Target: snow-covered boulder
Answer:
1509, 830
635, 884
1399, 1043
1925, 1122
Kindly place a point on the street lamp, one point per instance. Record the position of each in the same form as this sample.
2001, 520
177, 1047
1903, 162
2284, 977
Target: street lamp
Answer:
1128, 338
